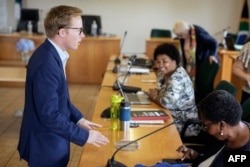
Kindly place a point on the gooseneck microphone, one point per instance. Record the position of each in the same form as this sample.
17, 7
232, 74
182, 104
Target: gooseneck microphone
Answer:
117, 60
112, 163
122, 88
106, 112
128, 89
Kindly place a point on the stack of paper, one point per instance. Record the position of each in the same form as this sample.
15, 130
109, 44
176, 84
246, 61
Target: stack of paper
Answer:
153, 116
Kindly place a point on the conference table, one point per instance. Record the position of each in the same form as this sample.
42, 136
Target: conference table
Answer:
152, 149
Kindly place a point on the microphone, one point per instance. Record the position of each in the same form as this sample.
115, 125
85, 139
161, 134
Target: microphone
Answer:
227, 28
122, 88
112, 163
121, 91
106, 112
130, 89
117, 60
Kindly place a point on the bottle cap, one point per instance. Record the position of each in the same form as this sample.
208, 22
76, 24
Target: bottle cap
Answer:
116, 98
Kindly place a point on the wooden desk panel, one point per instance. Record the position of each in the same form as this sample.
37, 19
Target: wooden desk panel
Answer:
152, 43
12, 76
8, 44
87, 64
225, 71
162, 144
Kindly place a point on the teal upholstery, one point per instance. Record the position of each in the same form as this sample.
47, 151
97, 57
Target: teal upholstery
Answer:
161, 33
246, 110
227, 86
204, 81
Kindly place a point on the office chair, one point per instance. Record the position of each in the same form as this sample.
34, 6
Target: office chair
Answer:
232, 35
87, 21
204, 80
246, 110
241, 38
227, 86
161, 33
23, 26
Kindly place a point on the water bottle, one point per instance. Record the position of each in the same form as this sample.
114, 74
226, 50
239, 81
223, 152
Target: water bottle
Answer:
115, 102
94, 29
30, 28
124, 116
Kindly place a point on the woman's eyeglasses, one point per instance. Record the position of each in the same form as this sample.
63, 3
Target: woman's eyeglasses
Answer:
205, 127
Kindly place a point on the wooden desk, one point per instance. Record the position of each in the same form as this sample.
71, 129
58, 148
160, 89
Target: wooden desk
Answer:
152, 149
225, 71
86, 64
152, 43
12, 76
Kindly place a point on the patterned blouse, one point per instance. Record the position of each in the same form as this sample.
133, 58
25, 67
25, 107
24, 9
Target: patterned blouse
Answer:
244, 56
177, 94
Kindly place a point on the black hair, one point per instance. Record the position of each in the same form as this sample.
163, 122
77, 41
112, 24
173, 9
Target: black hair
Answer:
220, 105
169, 50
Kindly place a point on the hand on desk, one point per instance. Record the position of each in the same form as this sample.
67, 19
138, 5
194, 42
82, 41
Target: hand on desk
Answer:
152, 93
87, 124
95, 137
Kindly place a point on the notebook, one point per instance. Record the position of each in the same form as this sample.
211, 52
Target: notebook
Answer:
137, 98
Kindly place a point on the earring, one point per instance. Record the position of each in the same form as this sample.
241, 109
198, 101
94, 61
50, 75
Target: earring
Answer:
221, 129
221, 132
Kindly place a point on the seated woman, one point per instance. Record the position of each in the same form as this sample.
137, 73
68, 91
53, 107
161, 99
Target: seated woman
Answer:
220, 114
175, 89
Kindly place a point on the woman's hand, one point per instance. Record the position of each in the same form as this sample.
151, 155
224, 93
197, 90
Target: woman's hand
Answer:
188, 153
152, 93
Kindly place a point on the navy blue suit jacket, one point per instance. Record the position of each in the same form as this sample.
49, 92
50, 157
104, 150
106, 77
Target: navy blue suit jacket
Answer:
206, 45
49, 118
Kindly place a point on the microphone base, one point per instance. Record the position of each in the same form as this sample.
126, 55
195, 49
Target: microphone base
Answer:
106, 113
115, 164
117, 60
115, 69
127, 89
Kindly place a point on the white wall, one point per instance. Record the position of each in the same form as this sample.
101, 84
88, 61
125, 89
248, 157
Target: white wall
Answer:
138, 17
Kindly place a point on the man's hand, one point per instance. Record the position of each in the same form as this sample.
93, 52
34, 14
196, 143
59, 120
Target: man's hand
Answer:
96, 138
212, 59
87, 124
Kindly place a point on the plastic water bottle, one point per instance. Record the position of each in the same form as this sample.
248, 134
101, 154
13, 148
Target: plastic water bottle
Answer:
94, 29
115, 102
30, 28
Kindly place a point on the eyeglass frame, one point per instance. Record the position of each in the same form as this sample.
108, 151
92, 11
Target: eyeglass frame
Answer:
75, 28
205, 127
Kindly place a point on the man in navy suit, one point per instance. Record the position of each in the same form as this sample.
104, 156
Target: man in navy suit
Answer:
50, 121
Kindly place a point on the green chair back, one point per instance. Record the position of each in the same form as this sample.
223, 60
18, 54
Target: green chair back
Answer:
246, 110
227, 86
161, 33
204, 81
